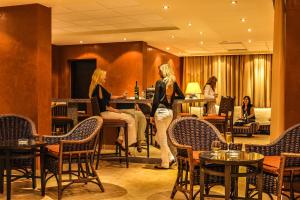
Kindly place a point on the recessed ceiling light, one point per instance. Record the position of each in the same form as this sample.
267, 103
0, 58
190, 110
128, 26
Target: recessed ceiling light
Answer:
201, 32
81, 42
249, 30
149, 49
249, 41
234, 2
167, 48
243, 19
166, 7
124, 38
172, 36
190, 24
201, 42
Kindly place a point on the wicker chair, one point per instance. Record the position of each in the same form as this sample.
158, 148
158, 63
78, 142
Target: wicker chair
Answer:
281, 163
226, 113
14, 127
76, 147
191, 135
60, 119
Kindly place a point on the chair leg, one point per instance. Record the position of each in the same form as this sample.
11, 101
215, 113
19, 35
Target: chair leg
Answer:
1, 176
97, 177
99, 149
174, 191
33, 172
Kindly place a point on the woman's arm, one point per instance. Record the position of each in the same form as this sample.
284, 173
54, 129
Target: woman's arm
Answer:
179, 93
118, 97
242, 113
252, 113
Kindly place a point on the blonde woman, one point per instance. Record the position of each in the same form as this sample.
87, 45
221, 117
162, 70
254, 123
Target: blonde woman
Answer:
166, 90
107, 112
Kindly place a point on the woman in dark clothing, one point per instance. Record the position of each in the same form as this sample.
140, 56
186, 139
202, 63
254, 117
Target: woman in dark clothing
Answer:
166, 90
107, 112
247, 112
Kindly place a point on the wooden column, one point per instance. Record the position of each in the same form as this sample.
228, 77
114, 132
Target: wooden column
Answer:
25, 63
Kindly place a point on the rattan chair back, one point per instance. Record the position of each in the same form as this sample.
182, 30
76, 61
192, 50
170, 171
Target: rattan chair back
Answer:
13, 127
193, 132
59, 110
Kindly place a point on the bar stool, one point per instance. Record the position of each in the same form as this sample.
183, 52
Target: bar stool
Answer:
60, 119
110, 123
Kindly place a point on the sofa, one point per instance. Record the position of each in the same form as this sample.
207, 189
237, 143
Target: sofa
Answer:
262, 124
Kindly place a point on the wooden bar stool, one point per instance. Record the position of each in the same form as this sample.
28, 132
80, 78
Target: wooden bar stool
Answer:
110, 123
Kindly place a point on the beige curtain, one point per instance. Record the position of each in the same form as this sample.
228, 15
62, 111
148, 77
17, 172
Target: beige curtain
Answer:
238, 75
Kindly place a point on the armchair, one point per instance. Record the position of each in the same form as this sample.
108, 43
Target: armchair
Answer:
76, 147
190, 136
281, 163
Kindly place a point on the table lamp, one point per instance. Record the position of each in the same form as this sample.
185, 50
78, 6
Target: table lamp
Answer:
192, 89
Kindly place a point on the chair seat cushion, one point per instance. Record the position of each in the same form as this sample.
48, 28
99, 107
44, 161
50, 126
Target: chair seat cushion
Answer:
53, 149
272, 164
214, 117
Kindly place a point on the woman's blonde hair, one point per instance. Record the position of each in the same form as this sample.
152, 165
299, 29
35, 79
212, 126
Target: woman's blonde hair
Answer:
97, 78
167, 74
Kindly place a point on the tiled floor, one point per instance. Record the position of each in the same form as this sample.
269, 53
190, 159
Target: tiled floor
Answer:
139, 182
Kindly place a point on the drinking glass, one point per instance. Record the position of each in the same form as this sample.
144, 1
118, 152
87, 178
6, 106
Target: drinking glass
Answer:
215, 146
228, 137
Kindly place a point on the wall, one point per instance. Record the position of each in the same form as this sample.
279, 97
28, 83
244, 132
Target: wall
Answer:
25, 63
125, 63
153, 58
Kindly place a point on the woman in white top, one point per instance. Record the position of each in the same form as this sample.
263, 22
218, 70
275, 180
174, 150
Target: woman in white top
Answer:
209, 93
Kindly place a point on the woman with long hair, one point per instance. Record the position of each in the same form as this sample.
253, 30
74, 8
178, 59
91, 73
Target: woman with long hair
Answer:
166, 90
210, 93
247, 113
107, 112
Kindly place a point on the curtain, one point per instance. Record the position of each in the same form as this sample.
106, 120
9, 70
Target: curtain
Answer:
238, 75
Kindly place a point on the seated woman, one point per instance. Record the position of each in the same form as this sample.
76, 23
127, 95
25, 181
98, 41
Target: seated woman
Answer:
166, 90
107, 112
247, 112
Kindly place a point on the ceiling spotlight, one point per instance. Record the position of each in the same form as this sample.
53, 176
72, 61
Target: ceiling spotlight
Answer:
234, 2
201, 42
190, 24
166, 7
249, 30
243, 19
81, 42
172, 36
201, 32
249, 41
168, 48
124, 38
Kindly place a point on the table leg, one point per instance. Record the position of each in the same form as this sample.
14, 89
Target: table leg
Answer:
8, 175
202, 186
259, 180
126, 145
42, 168
227, 181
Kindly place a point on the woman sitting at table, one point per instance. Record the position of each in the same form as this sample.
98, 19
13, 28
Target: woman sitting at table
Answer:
247, 112
166, 90
107, 112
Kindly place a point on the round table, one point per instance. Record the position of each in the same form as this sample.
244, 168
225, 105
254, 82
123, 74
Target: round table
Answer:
231, 160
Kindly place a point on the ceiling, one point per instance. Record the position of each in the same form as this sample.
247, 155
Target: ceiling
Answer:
190, 27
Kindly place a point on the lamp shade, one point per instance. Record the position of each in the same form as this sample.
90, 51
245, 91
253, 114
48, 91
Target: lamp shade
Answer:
193, 88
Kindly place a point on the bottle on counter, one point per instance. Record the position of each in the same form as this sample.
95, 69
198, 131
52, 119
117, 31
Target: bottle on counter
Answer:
136, 90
